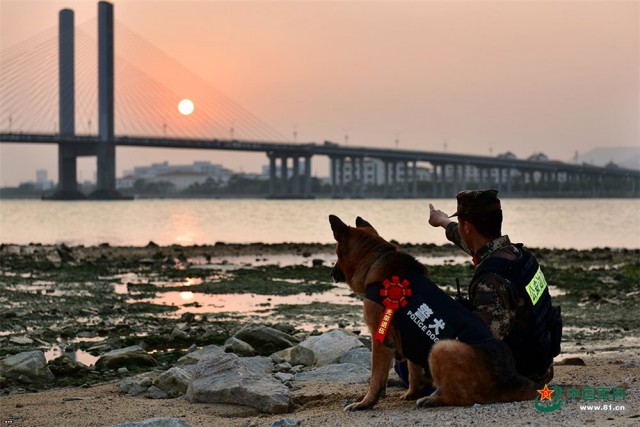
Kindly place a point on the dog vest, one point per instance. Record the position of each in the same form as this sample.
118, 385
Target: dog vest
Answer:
536, 344
424, 314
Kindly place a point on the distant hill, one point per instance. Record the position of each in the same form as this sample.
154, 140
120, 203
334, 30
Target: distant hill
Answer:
625, 157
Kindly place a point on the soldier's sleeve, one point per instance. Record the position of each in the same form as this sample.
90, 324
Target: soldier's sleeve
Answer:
453, 235
494, 303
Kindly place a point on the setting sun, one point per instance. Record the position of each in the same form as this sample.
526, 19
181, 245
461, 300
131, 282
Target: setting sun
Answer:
186, 107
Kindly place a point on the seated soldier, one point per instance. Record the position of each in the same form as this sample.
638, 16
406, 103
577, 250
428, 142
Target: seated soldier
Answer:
508, 290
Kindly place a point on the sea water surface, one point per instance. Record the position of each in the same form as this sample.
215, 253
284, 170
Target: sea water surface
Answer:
551, 223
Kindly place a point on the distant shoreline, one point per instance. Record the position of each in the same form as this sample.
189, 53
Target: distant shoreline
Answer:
320, 197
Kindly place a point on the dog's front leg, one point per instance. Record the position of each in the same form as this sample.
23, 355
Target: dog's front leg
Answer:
381, 358
415, 381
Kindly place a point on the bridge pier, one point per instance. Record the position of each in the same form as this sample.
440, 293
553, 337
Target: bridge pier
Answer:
281, 186
386, 178
414, 189
67, 156
353, 177
361, 177
106, 185
307, 177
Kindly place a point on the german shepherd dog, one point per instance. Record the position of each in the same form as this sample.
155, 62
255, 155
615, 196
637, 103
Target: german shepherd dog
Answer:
464, 371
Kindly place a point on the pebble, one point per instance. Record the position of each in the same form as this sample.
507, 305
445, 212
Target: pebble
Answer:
571, 361
136, 389
146, 382
286, 422
155, 393
284, 377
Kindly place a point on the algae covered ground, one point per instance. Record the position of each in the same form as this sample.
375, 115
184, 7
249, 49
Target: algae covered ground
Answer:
88, 300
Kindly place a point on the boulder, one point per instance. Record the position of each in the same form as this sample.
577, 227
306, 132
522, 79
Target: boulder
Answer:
27, 367
259, 364
326, 348
174, 382
227, 378
264, 339
128, 357
282, 355
341, 373
301, 355
64, 366
195, 356
239, 347
21, 340
360, 356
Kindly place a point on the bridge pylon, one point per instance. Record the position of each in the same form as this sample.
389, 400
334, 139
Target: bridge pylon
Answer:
106, 185
67, 155
68, 152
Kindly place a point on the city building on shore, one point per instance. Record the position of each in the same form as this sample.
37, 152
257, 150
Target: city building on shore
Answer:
179, 177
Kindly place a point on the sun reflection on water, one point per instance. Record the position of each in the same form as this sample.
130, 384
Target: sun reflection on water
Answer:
186, 296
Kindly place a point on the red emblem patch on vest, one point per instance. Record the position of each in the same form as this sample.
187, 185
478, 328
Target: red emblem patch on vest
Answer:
395, 293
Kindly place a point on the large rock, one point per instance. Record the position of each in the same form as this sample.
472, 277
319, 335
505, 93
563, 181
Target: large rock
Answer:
239, 347
265, 340
64, 366
260, 364
360, 356
27, 367
174, 382
21, 340
195, 356
341, 373
301, 355
128, 357
227, 378
282, 355
326, 348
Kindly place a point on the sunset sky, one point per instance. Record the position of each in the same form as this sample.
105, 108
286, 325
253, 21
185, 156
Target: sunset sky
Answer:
479, 77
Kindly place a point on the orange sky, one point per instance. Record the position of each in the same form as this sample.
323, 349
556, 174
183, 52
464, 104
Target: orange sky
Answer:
481, 76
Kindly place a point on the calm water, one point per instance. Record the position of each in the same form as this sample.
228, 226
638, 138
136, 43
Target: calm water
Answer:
553, 223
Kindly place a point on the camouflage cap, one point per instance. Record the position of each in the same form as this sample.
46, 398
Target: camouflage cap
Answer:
476, 201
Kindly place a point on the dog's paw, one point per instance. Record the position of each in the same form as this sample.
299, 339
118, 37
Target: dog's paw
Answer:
427, 402
358, 406
411, 395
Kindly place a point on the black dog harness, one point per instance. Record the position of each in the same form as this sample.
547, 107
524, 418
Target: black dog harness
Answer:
423, 314
535, 344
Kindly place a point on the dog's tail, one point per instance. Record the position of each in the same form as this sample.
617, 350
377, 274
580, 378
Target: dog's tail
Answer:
510, 385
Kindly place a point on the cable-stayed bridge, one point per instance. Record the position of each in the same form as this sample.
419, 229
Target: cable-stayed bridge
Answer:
84, 121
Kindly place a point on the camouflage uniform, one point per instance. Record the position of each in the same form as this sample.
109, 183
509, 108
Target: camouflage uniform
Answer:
491, 295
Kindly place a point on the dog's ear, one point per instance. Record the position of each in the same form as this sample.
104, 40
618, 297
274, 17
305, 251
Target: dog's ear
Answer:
362, 223
340, 229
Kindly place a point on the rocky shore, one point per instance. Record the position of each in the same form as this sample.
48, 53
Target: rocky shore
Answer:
258, 334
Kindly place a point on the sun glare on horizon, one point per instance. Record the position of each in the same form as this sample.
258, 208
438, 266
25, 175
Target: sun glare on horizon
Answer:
186, 107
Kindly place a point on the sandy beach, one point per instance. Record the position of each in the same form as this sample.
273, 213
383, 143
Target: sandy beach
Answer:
74, 298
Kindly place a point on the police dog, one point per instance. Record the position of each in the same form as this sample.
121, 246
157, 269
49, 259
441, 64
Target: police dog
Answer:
455, 351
